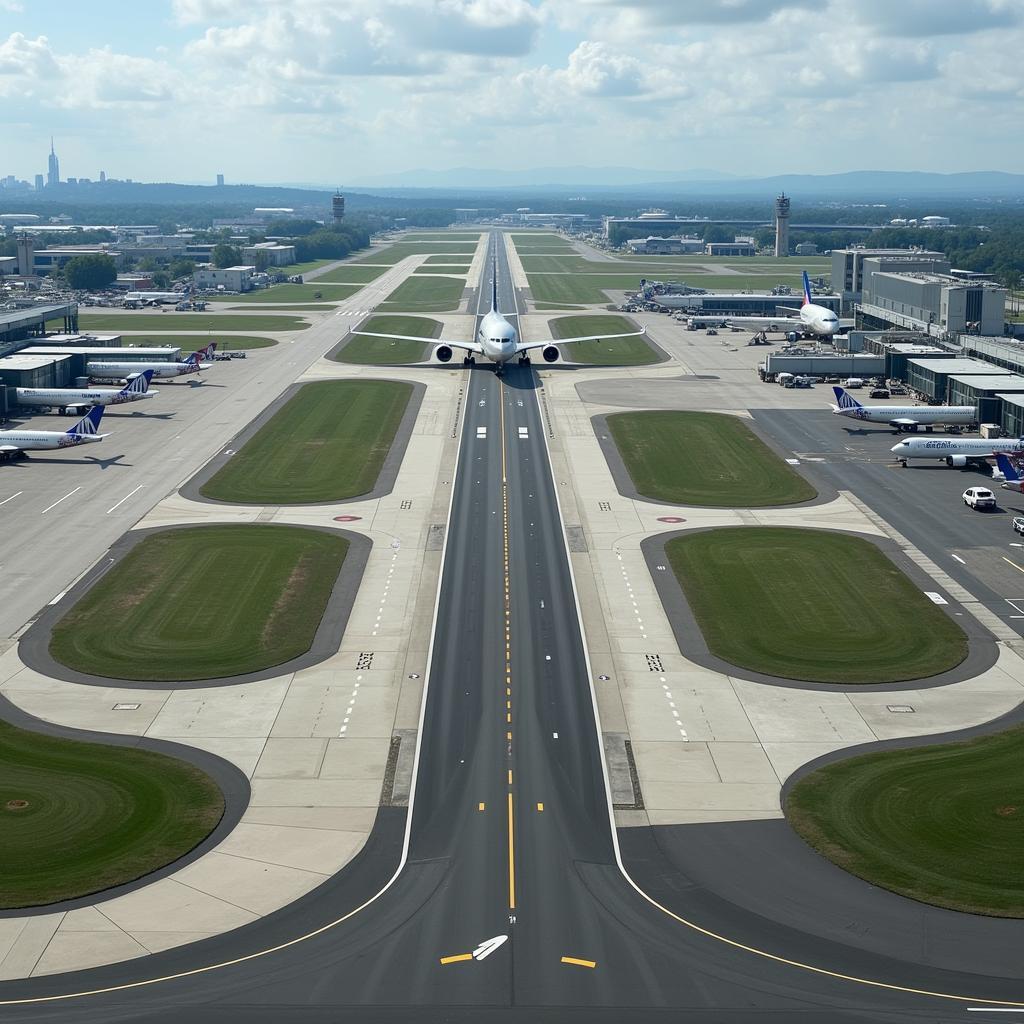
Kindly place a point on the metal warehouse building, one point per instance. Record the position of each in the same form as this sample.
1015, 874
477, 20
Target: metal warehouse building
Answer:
983, 391
1011, 417
930, 377
111, 355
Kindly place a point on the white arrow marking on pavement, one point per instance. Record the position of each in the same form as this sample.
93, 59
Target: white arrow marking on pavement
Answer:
488, 947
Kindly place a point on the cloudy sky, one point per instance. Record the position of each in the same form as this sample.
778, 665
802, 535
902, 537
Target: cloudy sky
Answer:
343, 90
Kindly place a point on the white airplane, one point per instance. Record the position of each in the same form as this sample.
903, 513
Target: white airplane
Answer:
99, 370
1009, 468
902, 417
496, 338
973, 451
15, 443
80, 399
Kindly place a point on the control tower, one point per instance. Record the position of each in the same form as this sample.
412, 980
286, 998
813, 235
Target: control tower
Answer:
338, 207
782, 225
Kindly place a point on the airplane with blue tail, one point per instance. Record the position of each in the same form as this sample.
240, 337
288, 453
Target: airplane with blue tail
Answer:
902, 417
77, 400
14, 444
810, 319
1009, 467
193, 363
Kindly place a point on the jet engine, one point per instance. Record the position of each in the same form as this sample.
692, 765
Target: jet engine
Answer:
956, 461
551, 354
443, 353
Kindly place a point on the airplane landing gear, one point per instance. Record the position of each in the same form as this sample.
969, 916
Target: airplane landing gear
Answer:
469, 361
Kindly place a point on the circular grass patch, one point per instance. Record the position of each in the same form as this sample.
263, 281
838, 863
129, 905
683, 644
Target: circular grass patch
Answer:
78, 818
940, 824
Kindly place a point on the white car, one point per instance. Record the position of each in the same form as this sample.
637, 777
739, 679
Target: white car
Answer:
979, 497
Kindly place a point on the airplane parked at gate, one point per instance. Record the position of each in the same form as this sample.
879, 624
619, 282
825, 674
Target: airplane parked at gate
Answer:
77, 400
811, 318
497, 339
974, 451
194, 362
15, 443
1011, 469
902, 417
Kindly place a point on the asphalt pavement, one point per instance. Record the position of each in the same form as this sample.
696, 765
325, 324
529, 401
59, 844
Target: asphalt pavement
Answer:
511, 902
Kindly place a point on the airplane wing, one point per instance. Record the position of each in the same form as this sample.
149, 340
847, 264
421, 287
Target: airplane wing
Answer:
9, 449
469, 346
527, 345
904, 421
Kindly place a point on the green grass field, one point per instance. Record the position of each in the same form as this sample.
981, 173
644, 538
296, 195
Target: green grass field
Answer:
298, 307
703, 458
543, 306
443, 236
623, 352
380, 351
288, 293
204, 603
576, 288
462, 262
441, 269
94, 816
426, 295
811, 604
394, 253
191, 342
305, 268
118, 322
941, 824
348, 273
327, 443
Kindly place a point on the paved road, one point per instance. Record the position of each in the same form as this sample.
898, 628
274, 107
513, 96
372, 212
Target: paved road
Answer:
510, 836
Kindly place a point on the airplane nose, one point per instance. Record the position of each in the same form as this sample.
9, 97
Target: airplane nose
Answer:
899, 448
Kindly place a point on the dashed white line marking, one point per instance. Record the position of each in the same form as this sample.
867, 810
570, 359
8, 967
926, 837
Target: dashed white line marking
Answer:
11, 498
124, 499
958, 558
59, 500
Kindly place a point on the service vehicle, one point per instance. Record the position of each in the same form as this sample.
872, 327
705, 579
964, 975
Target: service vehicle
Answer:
979, 498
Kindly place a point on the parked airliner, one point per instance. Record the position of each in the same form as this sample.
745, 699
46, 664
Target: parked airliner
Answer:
811, 318
194, 362
973, 450
497, 340
77, 400
14, 443
902, 417
1009, 468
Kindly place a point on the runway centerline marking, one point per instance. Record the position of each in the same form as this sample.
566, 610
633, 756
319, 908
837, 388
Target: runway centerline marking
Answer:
577, 962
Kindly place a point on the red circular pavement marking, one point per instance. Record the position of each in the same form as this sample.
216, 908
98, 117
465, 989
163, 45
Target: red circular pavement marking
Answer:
670, 519
346, 519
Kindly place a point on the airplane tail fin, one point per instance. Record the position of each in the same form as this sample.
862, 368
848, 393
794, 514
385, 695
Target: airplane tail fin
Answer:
1006, 467
138, 385
88, 424
807, 289
845, 400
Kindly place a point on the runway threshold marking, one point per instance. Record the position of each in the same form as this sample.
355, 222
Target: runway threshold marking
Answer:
577, 962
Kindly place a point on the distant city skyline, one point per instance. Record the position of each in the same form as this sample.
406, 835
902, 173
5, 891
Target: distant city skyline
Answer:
185, 89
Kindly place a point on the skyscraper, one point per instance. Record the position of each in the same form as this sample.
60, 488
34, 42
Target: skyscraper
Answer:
53, 168
39, 183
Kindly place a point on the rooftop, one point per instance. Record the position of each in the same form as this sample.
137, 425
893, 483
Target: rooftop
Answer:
31, 362
962, 367
990, 381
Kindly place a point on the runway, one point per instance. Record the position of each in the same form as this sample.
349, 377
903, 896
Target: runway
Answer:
511, 903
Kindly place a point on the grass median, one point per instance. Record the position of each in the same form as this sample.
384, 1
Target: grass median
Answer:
315, 291
942, 824
119, 322
348, 273
617, 352
78, 818
327, 443
811, 605
426, 295
703, 458
384, 352
191, 342
204, 603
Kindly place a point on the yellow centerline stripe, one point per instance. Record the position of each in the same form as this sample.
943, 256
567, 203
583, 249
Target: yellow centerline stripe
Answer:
458, 958
578, 962
1014, 564
511, 856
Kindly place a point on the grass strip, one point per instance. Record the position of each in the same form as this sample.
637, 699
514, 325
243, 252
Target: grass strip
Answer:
703, 458
204, 603
381, 351
942, 824
812, 605
327, 443
78, 818
617, 352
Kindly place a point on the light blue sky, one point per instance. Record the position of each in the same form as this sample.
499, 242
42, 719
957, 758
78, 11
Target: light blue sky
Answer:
347, 89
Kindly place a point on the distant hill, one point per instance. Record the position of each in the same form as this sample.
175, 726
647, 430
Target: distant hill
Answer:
533, 178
